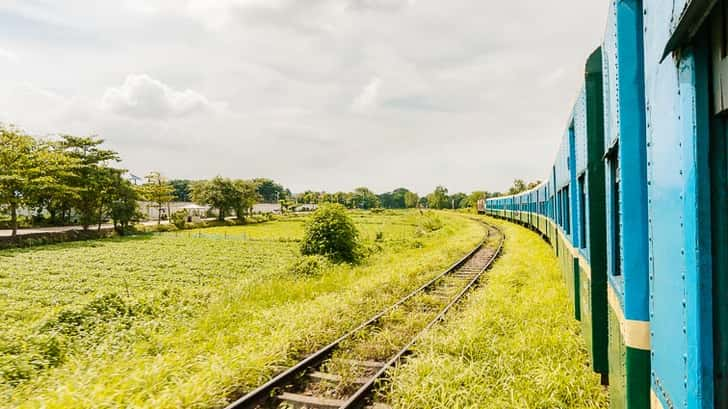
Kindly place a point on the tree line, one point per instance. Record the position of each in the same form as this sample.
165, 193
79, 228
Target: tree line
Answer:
401, 198
74, 181
72, 174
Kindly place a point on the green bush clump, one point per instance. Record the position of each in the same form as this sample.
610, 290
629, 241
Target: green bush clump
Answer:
331, 233
431, 222
308, 265
179, 218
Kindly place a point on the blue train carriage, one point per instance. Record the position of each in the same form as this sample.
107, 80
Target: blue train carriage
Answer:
686, 77
578, 180
626, 206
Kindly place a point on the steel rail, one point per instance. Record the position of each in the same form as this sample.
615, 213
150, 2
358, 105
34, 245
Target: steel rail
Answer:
358, 398
264, 391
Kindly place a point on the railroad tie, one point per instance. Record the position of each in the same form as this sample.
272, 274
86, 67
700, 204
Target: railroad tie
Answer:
334, 378
366, 364
310, 402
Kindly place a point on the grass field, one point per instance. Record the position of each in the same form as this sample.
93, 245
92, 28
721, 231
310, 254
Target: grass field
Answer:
513, 344
194, 318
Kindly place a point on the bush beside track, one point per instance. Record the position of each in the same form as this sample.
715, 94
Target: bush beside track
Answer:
513, 345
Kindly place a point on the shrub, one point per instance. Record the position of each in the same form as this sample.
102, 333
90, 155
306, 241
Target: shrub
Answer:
308, 265
179, 218
331, 233
431, 222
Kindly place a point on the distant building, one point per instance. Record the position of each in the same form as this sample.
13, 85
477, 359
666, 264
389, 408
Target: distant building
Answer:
152, 212
304, 207
263, 208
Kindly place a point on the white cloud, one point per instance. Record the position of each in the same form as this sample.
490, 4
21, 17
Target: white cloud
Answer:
310, 86
368, 97
9, 56
380, 4
142, 96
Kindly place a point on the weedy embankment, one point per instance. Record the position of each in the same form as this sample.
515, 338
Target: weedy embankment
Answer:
514, 343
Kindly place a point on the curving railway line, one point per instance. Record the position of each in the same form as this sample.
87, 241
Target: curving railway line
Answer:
344, 373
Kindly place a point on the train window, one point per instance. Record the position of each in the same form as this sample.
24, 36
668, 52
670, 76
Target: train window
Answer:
614, 177
567, 211
582, 211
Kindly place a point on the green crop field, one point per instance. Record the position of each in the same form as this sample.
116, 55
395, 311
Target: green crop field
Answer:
194, 318
513, 344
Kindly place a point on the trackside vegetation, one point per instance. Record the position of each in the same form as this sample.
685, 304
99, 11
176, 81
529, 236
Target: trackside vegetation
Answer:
513, 344
198, 318
330, 232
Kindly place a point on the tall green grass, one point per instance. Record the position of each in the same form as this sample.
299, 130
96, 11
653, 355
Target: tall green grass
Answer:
514, 343
177, 320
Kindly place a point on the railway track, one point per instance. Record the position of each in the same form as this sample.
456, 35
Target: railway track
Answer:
344, 373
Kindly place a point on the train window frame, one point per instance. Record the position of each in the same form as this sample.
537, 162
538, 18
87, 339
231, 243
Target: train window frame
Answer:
615, 233
581, 185
567, 210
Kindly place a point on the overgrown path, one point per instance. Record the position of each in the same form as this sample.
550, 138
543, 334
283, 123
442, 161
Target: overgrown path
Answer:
514, 344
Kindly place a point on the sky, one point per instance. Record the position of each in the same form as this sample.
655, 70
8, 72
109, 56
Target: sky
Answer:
316, 94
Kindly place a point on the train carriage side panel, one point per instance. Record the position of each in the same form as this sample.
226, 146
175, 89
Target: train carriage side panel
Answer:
587, 125
678, 134
596, 212
623, 75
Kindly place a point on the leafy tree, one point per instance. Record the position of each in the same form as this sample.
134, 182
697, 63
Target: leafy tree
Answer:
342, 198
395, 199
123, 203
58, 194
219, 193
330, 232
518, 186
182, 190
473, 198
459, 200
533, 184
270, 191
364, 198
91, 175
327, 198
438, 199
309, 197
245, 196
423, 202
212, 193
27, 168
398, 198
159, 191
386, 200
411, 200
